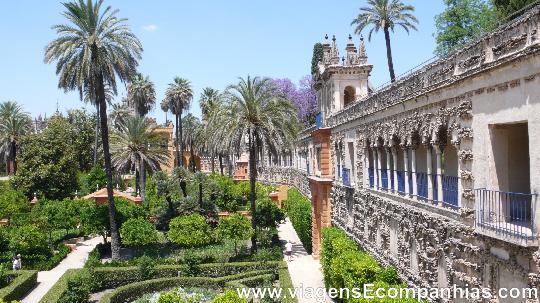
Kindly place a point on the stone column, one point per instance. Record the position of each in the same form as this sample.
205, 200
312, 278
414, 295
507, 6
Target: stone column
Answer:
394, 167
376, 171
406, 170
429, 172
413, 173
438, 154
388, 170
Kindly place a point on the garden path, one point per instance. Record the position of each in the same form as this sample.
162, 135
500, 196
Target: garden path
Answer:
306, 272
75, 259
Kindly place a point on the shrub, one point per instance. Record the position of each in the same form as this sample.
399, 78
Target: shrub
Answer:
229, 296
267, 214
189, 231
298, 209
235, 228
29, 241
146, 267
24, 281
12, 201
78, 288
138, 232
96, 178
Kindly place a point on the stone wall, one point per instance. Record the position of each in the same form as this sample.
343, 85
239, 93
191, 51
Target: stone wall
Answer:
285, 175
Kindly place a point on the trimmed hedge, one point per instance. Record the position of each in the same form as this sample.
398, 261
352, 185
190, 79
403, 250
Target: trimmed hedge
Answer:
114, 277
285, 283
24, 281
346, 266
135, 290
298, 209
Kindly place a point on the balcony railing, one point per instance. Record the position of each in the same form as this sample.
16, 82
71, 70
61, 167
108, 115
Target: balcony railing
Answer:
346, 176
422, 185
371, 175
318, 120
450, 190
384, 179
506, 213
401, 182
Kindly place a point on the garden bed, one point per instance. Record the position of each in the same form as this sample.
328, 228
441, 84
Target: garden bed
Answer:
23, 282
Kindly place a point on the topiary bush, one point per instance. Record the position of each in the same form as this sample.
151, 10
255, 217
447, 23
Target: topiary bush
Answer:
190, 231
236, 228
229, 296
298, 209
138, 232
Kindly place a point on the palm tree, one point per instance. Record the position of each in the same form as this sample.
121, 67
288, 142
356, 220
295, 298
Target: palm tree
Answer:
89, 97
255, 112
141, 95
191, 139
177, 99
90, 52
385, 14
119, 114
137, 144
14, 123
210, 101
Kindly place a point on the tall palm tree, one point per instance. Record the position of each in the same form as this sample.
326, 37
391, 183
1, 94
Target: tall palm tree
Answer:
385, 14
137, 144
91, 51
118, 114
210, 101
14, 123
255, 113
89, 97
191, 139
141, 95
177, 99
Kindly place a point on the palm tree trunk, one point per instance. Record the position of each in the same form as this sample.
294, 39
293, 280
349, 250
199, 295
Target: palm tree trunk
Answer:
221, 163
96, 138
230, 164
178, 157
143, 182
115, 237
192, 158
200, 195
13, 157
212, 163
252, 189
389, 55
181, 143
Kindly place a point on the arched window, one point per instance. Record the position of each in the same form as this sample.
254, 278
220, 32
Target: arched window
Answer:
348, 96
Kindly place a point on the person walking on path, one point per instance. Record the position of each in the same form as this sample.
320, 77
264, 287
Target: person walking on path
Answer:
288, 250
17, 263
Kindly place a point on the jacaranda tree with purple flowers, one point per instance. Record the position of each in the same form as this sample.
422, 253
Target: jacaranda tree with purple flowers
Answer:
302, 97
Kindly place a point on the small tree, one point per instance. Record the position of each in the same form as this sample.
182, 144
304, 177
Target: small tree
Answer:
11, 202
96, 178
229, 296
28, 241
189, 231
268, 214
236, 228
138, 232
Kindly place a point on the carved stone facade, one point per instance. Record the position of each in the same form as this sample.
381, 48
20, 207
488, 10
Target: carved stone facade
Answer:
437, 174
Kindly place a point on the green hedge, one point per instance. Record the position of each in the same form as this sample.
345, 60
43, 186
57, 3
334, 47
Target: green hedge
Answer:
114, 277
346, 266
135, 290
24, 281
285, 283
298, 209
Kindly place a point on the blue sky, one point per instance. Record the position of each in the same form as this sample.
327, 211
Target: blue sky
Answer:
211, 43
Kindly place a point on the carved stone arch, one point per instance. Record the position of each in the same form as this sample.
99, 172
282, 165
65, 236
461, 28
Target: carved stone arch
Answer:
395, 140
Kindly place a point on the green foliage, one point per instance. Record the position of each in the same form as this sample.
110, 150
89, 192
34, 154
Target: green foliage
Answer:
28, 241
47, 165
138, 232
189, 231
56, 215
78, 288
298, 209
82, 128
461, 22
235, 227
146, 267
317, 56
268, 215
511, 8
95, 179
221, 190
229, 296
346, 266
13, 201
24, 281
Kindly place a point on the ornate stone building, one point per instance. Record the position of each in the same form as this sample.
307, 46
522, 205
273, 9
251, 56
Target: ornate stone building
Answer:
436, 174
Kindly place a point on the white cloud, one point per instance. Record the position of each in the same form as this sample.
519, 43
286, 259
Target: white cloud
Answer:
150, 27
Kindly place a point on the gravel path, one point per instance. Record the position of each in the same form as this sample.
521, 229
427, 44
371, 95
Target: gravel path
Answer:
75, 259
305, 271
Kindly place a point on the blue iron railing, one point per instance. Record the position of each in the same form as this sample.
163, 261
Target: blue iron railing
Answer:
422, 185
434, 188
401, 182
371, 177
450, 190
391, 180
318, 120
384, 179
346, 176
507, 213
410, 183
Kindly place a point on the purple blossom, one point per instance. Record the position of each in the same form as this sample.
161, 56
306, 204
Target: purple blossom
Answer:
302, 97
